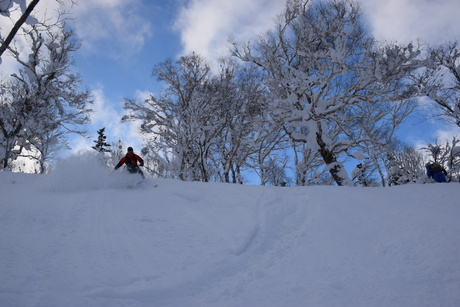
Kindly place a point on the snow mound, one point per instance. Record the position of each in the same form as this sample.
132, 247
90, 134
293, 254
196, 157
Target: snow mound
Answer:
209, 244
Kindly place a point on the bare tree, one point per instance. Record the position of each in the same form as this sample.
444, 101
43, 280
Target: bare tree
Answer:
447, 155
177, 120
440, 81
16, 112
5, 9
45, 94
207, 126
363, 175
335, 88
453, 162
25, 14
275, 171
404, 164
248, 136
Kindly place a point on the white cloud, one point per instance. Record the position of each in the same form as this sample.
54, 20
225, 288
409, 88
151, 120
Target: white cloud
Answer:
447, 135
104, 112
206, 25
435, 21
111, 27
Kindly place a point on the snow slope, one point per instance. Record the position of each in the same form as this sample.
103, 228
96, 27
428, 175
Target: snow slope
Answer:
83, 238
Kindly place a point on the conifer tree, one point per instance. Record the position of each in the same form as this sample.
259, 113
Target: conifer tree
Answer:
101, 143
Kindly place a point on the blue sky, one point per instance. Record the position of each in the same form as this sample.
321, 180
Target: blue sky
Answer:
123, 39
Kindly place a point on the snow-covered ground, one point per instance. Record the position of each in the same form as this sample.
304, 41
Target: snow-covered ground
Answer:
81, 237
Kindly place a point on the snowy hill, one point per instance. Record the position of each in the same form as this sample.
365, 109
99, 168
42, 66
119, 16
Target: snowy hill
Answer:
86, 239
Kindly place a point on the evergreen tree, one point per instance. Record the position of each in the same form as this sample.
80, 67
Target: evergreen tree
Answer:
101, 143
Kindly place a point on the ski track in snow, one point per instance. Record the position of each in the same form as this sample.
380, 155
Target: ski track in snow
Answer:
192, 244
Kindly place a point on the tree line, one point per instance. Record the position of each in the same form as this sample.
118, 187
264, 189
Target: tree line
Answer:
317, 88
312, 95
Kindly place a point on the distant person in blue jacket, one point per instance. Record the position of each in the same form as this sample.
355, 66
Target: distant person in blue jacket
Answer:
436, 171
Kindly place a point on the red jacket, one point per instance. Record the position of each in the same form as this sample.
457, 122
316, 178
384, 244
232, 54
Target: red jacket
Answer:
131, 160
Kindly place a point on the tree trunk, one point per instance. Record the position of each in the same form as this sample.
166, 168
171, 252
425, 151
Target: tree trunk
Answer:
329, 158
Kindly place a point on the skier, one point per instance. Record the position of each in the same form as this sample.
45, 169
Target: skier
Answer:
131, 160
436, 171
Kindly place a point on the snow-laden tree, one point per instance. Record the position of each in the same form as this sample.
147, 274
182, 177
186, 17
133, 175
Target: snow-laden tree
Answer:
447, 155
205, 126
363, 175
180, 120
16, 113
336, 89
453, 160
6, 6
7, 9
404, 164
440, 81
308, 165
44, 99
248, 136
275, 171
23, 122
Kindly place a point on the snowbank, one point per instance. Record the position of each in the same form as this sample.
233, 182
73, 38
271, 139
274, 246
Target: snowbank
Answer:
79, 237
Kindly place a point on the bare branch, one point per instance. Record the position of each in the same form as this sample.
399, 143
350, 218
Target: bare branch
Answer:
17, 26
